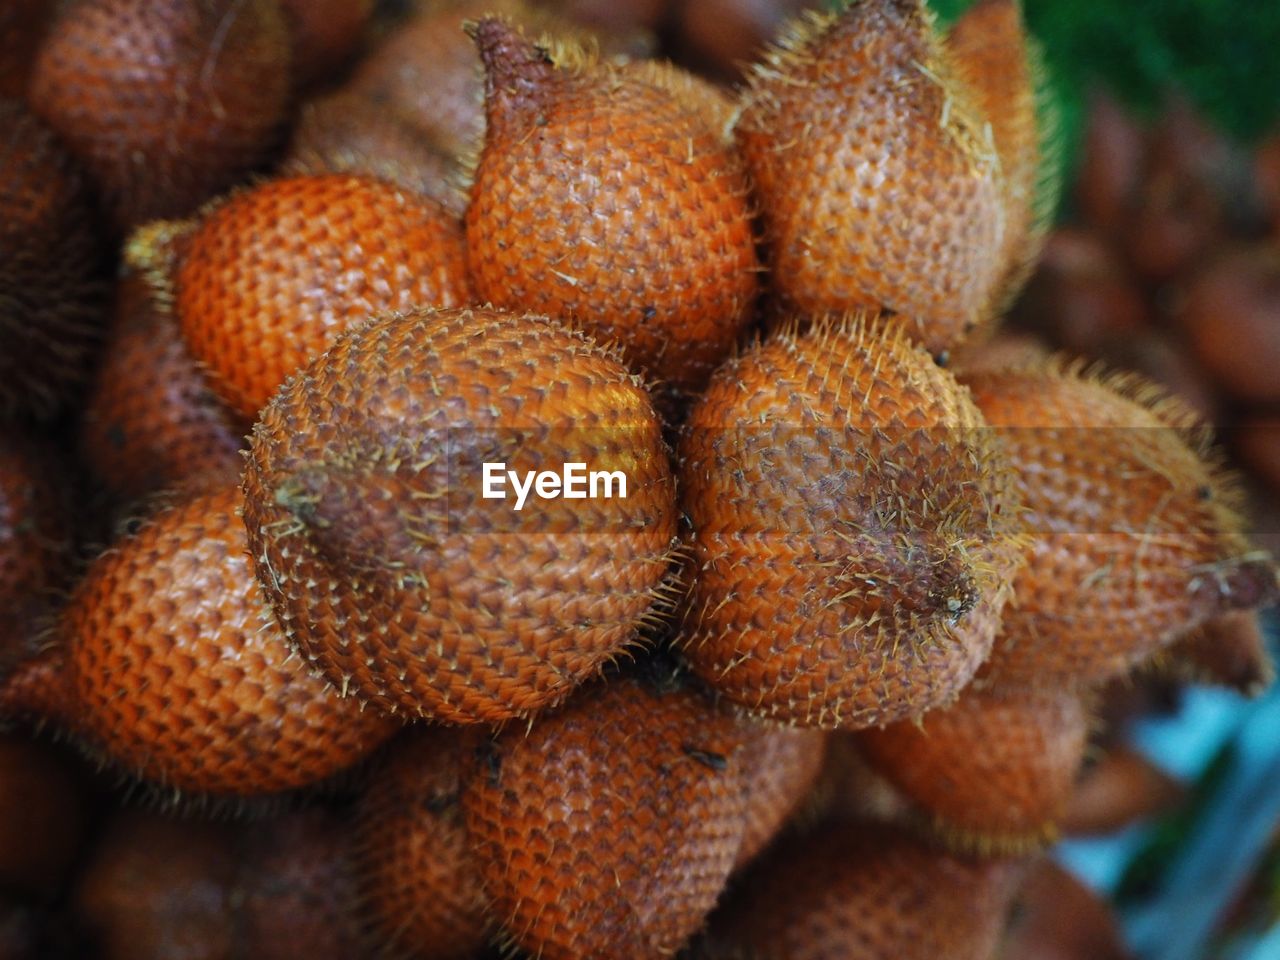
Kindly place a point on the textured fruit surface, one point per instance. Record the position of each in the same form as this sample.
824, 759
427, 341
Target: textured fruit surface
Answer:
1122, 788
167, 102
1229, 650
863, 892
607, 200
387, 567
173, 668
271, 277
991, 53
609, 829
350, 132
50, 267
1057, 917
877, 184
150, 421
780, 766
854, 529
419, 885
325, 34
1134, 535
993, 771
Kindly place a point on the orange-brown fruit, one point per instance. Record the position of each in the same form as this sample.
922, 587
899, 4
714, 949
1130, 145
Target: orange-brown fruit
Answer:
1229, 650
1056, 917
51, 276
1122, 788
326, 34
168, 663
150, 421
991, 772
157, 889
42, 817
723, 36
1257, 443
1113, 154
36, 537
386, 565
863, 892
419, 885
994, 56
849, 790
167, 102
609, 828
270, 277
780, 767
1005, 351
22, 27
1135, 538
877, 183
1231, 313
349, 132
606, 199
854, 529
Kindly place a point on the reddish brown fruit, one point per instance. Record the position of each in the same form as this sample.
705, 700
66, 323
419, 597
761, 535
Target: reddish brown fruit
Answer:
1231, 312
151, 422
167, 102
1266, 172
1004, 351
326, 34
157, 889
51, 262
1257, 442
1120, 789
23, 24
993, 55
604, 199
1229, 650
1135, 538
814, 603
217, 702
877, 184
780, 767
350, 132
614, 16
35, 538
419, 884
993, 771
610, 827
863, 892
724, 36
386, 566
42, 817
1114, 150
270, 277
1058, 918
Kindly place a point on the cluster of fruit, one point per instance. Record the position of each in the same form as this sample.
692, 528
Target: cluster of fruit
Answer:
829, 664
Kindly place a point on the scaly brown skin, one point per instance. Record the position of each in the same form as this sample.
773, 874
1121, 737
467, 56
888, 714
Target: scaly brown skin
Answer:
418, 881
780, 767
216, 702
605, 199
387, 567
876, 183
150, 421
167, 102
863, 892
609, 828
1135, 539
52, 268
270, 277
991, 772
854, 530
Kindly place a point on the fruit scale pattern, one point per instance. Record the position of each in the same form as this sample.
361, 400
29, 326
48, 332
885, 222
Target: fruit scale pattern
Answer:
819, 685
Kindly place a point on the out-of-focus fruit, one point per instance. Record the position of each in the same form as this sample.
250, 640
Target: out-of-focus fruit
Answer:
1266, 172
877, 181
608, 201
168, 662
419, 885
1056, 917
854, 529
613, 17
1257, 442
270, 277
1122, 788
609, 828
326, 34
780, 767
349, 132
387, 566
150, 421
42, 817
724, 36
1114, 150
167, 102
22, 27
991, 772
1005, 351
1229, 650
864, 891
1135, 534
1231, 313
51, 268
